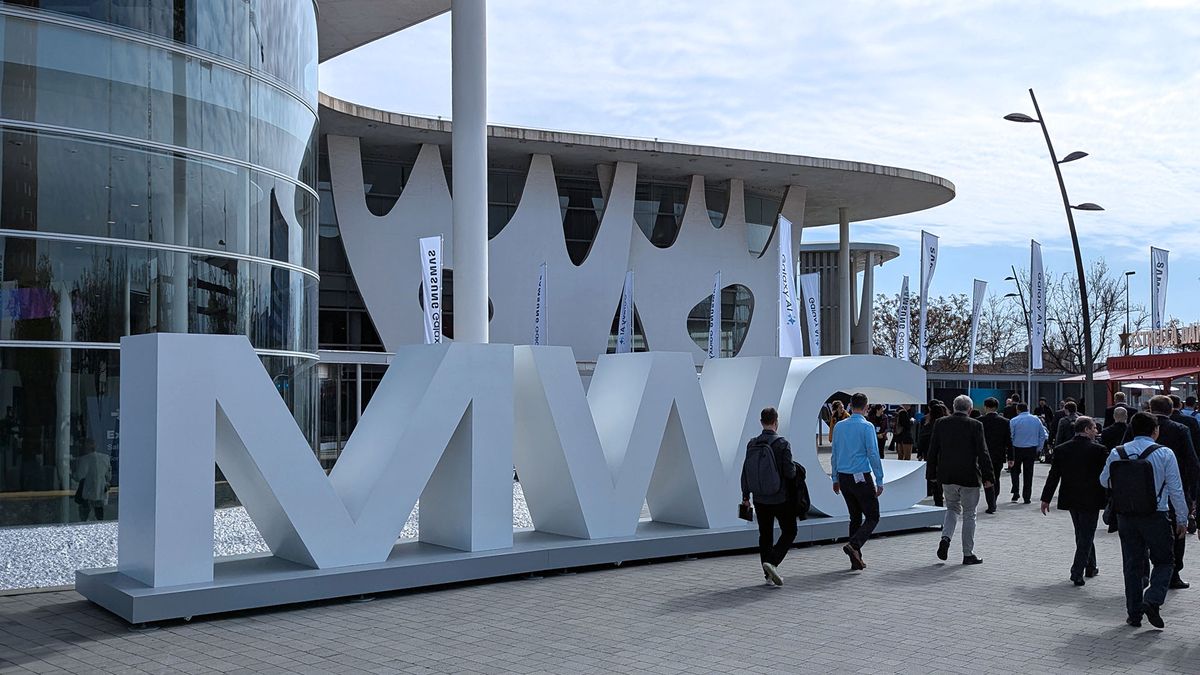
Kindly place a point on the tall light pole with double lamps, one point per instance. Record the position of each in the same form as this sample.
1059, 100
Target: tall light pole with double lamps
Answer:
1128, 337
1089, 356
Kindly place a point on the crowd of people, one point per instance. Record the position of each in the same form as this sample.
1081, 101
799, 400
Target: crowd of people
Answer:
1139, 469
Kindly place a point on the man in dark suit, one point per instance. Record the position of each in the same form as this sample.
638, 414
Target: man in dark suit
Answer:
1178, 438
1043, 411
958, 460
1114, 434
1078, 463
998, 436
1193, 426
1065, 429
1118, 402
1010, 410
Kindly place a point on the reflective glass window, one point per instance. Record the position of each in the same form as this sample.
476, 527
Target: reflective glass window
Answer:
383, 181
737, 309
504, 193
761, 214
658, 210
284, 43
716, 200
217, 26
582, 206
77, 292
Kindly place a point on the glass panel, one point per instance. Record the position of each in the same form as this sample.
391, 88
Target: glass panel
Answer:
282, 134
59, 424
737, 308
582, 206
716, 200
658, 211
66, 291
761, 214
217, 26
284, 33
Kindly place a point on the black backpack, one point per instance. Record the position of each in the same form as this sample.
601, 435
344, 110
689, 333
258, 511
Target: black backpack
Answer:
761, 471
798, 493
1132, 482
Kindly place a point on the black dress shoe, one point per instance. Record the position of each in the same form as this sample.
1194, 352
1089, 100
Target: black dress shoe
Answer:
1133, 621
1078, 582
1152, 615
943, 551
991, 510
1026, 501
1178, 584
1092, 572
972, 560
1015, 498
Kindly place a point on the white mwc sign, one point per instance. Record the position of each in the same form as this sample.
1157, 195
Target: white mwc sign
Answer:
446, 426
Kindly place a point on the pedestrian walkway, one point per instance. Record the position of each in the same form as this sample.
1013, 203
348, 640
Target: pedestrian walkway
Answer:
1016, 613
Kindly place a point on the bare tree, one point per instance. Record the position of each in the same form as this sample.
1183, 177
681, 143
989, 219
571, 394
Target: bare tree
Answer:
1064, 322
1002, 335
949, 329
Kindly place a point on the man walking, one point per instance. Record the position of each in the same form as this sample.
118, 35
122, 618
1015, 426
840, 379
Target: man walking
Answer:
1043, 411
999, 446
1143, 497
766, 473
855, 462
1028, 435
1066, 424
1010, 409
1118, 402
958, 459
1114, 434
1078, 463
1175, 436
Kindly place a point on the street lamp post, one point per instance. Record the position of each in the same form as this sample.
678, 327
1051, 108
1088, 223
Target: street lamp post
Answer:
1128, 337
1089, 357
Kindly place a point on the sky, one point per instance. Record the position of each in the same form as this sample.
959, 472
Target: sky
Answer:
918, 84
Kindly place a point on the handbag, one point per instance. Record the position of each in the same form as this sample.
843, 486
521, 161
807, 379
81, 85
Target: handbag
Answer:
745, 512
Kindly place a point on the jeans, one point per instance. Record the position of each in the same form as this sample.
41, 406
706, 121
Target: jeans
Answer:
1141, 535
1084, 521
1023, 461
769, 550
863, 504
962, 501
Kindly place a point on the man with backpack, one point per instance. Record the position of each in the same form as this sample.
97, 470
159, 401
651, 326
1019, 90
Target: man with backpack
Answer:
766, 474
858, 477
1145, 489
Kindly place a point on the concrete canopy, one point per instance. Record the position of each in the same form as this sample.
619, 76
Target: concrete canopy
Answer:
869, 191
343, 25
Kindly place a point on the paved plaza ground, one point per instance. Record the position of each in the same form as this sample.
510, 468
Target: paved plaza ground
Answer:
908, 613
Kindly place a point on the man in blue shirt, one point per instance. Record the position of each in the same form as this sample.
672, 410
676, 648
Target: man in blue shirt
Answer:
857, 476
1153, 533
1028, 435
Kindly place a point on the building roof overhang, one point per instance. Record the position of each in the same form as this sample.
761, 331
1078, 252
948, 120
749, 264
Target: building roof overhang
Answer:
868, 191
343, 25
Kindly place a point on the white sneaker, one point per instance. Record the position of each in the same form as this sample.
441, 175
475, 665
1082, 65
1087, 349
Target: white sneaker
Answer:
772, 574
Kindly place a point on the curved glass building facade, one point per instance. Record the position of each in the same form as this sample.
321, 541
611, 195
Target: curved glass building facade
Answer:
157, 174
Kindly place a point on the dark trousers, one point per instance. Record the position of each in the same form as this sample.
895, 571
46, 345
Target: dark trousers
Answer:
86, 508
1178, 547
769, 550
993, 493
1023, 461
863, 504
1142, 535
1084, 521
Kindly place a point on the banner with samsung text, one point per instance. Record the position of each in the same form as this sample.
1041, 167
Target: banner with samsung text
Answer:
1158, 293
903, 323
810, 290
1037, 305
539, 309
976, 307
790, 342
431, 288
714, 319
929, 254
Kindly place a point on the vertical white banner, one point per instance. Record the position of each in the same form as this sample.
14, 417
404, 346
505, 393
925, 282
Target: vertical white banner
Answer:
431, 288
1158, 297
929, 254
625, 321
810, 292
790, 342
976, 307
903, 322
1037, 305
714, 319
539, 309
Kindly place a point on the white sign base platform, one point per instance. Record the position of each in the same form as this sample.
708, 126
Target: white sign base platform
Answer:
263, 580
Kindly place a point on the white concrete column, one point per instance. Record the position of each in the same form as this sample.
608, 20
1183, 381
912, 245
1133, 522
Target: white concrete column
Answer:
468, 63
866, 313
845, 308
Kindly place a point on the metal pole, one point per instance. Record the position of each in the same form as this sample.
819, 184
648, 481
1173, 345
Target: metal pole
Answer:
468, 60
1083, 295
1127, 336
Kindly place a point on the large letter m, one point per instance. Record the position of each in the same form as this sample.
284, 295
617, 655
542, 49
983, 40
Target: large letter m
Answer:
440, 431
